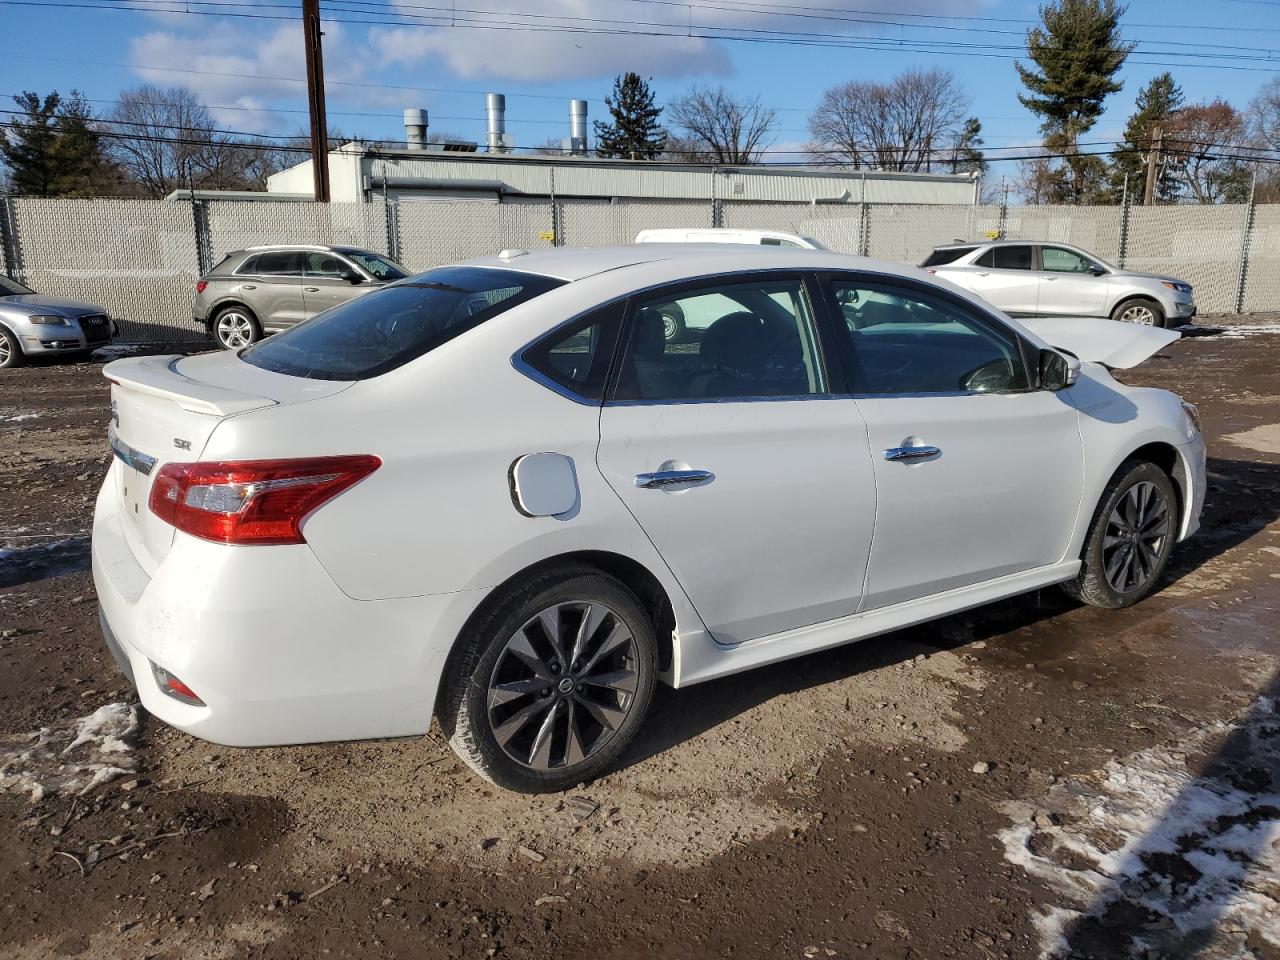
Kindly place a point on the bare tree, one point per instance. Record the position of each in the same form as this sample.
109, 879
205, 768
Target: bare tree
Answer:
714, 126
1039, 180
1204, 147
165, 139
898, 125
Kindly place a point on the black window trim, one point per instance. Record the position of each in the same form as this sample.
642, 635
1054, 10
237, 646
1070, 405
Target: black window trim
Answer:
1027, 351
256, 255
614, 326
1031, 245
830, 372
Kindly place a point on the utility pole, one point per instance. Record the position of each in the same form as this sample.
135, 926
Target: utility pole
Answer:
1153, 166
315, 98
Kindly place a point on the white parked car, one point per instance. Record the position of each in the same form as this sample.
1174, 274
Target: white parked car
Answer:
1058, 280
492, 494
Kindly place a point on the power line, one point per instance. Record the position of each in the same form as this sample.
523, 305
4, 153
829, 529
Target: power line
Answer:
788, 38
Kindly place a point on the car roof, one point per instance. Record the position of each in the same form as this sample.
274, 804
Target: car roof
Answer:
1003, 243
577, 263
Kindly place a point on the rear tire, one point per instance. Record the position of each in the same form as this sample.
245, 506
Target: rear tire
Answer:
235, 327
1141, 311
10, 352
1130, 537
533, 713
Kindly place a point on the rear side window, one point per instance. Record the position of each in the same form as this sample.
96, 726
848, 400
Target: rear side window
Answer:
283, 263
944, 255
387, 328
1007, 258
576, 358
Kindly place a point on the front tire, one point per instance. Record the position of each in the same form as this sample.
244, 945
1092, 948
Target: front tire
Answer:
10, 351
1130, 538
1146, 313
549, 685
236, 327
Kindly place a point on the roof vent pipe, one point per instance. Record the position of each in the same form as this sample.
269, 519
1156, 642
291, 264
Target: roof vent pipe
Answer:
577, 127
415, 128
495, 108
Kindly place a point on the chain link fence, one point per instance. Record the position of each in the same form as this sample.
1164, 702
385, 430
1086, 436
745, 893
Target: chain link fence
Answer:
140, 258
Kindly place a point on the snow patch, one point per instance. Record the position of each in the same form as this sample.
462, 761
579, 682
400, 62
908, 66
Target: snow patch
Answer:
73, 756
1147, 837
19, 417
1238, 331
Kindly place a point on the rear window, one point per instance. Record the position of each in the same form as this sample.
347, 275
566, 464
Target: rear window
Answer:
387, 328
945, 255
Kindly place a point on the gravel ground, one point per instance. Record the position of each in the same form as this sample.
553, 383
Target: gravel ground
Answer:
1031, 779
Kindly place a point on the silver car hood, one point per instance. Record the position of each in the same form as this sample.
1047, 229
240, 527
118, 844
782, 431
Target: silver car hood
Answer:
39, 303
1147, 276
1111, 343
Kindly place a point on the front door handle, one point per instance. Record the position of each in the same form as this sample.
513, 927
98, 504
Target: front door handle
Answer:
311, 289
248, 286
1048, 278
669, 478
919, 451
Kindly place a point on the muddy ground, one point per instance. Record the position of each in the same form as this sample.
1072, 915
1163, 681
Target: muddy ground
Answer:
1033, 778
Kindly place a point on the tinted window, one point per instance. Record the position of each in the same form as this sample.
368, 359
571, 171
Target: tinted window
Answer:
946, 255
12, 288
283, 263
722, 341
323, 265
1007, 258
249, 266
379, 267
908, 342
577, 357
1062, 260
389, 327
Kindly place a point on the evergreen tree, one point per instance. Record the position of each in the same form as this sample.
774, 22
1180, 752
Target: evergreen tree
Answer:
1076, 55
1155, 106
52, 150
28, 145
966, 149
634, 133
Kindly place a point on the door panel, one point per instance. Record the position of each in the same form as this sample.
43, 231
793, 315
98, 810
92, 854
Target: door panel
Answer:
779, 537
278, 298
977, 476
1001, 495
1004, 276
763, 502
1067, 288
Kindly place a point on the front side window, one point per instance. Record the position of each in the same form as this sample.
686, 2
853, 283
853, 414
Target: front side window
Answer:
734, 340
324, 265
379, 267
1008, 258
389, 327
1062, 260
908, 342
279, 263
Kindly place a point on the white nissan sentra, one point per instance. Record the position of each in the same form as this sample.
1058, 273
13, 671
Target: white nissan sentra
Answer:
495, 494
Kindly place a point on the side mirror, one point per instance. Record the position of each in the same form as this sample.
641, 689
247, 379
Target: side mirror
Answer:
350, 275
1057, 371
1097, 270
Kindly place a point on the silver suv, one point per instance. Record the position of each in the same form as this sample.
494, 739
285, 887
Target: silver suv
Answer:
1037, 279
260, 290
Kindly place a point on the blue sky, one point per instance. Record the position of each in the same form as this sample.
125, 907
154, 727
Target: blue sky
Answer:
246, 67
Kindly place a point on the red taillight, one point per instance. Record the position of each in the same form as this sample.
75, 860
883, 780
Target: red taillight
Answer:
200, 285
252, 501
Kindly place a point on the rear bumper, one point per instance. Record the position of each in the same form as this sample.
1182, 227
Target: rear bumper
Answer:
266, 639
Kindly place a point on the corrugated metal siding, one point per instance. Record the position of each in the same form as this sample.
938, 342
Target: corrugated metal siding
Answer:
658, 181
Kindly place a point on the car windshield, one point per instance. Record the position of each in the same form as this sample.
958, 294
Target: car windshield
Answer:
387, 328
12, 288
380, 267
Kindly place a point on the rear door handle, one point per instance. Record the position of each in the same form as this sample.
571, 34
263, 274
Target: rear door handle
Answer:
920, 451
668, 478
248, 286
311, 289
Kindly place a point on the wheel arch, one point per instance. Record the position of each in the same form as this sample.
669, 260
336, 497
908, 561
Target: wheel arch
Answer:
1167, 457
1145, 297
230, 301
634, 575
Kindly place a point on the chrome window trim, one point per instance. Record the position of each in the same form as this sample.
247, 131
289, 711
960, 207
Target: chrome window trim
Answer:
260, 276
791, 397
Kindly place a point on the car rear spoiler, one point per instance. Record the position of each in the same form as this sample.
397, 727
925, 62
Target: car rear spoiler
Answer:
1115, 345
156, 377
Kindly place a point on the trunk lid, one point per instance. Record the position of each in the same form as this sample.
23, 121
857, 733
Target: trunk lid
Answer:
164, 409
1111, 343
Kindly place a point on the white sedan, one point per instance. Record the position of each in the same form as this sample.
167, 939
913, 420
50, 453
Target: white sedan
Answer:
495, 494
